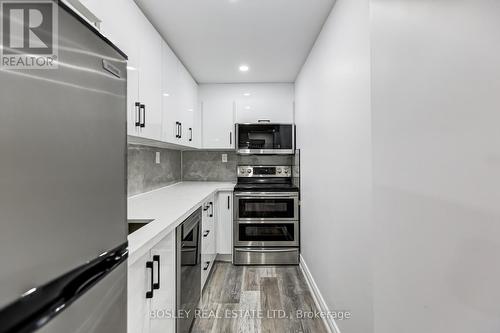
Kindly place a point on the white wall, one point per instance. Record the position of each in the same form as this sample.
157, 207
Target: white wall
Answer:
334, 135
436, 149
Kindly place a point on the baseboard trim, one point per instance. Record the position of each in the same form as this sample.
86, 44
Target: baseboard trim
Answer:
318, 298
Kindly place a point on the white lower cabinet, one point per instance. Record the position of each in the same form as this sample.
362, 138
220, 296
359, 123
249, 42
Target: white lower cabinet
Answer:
163, 301
208, 252
151, 285
138, 306
224, 225
151, 290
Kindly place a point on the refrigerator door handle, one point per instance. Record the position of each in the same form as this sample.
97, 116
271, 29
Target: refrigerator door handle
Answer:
149, 265
156, 258
35, 309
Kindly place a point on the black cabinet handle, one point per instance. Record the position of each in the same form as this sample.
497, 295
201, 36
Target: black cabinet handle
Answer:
143, 122
177, 129
228, 202
207, 263
180, 130
156, 258
149, 265
137, 114
205, 234
230, 138
205, 208
190, 134
211, 209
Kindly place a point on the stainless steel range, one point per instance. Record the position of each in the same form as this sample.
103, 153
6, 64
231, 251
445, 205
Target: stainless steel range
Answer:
266, 217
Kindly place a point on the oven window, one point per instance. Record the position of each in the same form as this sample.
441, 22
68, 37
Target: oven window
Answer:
266, 208
265, 136
280, 232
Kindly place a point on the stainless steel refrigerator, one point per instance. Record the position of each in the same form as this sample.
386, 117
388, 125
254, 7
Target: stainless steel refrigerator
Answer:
63, 236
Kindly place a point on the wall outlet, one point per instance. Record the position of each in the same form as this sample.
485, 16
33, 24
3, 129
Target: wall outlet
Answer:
157, 157
224, 158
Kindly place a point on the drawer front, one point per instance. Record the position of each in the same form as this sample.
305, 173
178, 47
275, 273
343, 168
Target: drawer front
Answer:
265, 256
208, 242
207, 262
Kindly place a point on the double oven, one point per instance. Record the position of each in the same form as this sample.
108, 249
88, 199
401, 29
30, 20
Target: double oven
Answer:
266, 217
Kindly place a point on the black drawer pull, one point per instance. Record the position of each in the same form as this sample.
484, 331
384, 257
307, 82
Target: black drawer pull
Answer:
205, 234
157, 259
149, 265
212, 209
207, 264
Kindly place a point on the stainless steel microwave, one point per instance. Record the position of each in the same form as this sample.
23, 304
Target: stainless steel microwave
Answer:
265, 138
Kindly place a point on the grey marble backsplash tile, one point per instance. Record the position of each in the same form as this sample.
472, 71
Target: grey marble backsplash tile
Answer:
145, 175
265, 159
208, 166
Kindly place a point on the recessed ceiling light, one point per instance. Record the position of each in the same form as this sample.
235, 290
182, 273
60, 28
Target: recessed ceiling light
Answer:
246, 94
247, 107
166, 94
244, 68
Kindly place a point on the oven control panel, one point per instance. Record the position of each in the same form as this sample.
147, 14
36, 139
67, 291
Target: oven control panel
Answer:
264, 171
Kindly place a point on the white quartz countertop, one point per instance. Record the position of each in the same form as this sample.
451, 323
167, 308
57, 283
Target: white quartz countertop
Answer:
167, 207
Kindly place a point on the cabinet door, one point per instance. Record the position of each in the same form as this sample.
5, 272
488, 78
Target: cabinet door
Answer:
163, 301
191, 113
138, 306
186, 106
276, 109
150, 80
119, 28
224, 223
170, 94
217, 123
208, 238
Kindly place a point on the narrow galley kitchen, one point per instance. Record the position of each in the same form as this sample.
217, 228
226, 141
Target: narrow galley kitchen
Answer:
249, 166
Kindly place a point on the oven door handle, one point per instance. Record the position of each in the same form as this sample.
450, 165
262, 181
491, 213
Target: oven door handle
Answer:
267, 221
267, 194
265, 250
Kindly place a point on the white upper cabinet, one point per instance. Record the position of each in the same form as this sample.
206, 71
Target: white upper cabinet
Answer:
180, 102
223, 105
218, 123
127, 40
149, 81
188, 106
265, 102
170, 94
162, 96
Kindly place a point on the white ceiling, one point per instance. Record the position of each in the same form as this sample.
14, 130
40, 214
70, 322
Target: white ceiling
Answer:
213, 37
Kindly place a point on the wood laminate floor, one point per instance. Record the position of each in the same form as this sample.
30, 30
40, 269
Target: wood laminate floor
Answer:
256, 299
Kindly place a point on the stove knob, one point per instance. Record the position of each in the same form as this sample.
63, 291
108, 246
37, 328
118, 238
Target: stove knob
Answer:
286, 170
279, 170
249, 170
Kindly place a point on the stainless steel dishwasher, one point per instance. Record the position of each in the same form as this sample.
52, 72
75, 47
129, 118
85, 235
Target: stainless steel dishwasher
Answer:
188, 270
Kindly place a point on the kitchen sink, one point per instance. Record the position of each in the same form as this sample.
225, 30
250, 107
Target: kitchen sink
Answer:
134, 225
